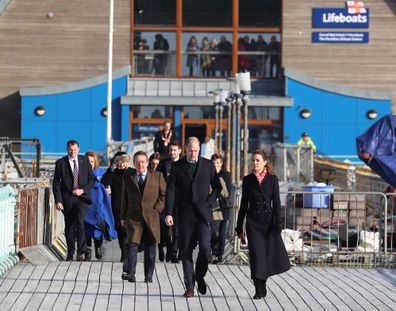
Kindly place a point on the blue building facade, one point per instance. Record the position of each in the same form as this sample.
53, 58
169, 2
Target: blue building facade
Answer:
75, 111
337, 115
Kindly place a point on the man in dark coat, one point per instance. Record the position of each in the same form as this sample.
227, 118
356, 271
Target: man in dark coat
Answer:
189, 183
73, 180
143, 201
169, 238
163, 139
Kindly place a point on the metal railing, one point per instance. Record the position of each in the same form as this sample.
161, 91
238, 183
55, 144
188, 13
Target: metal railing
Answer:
7, 229
355, 229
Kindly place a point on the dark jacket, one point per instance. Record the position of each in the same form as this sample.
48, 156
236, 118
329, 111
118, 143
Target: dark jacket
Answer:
191, 194
260, 204
138, 207
114, 179
159, 144
62, 184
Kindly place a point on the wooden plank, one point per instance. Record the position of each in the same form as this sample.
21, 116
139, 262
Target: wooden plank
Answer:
361, 294
30, 287
117, 285
215, 289
141, 301
128, 296
43, 286
244, 294
80, 286
103, 297
68, 285
9, 279
165, 288
177, 283
17, 288
91, 291
229, 293
55, 286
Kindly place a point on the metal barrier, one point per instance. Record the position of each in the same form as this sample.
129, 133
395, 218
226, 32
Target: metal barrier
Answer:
335, 229
7, 230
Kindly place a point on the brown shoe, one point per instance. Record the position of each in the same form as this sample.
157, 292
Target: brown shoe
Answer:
80, 258
189, 293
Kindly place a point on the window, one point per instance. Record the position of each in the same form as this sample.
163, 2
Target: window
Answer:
155, 12
152, 112
207, 13
207, 54
154, 53
264, 113
259, 53
259, 13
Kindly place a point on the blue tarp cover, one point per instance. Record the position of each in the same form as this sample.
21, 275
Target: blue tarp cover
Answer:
380, 141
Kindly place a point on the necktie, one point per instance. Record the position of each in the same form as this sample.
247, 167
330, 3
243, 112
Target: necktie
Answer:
75, 175
140, 180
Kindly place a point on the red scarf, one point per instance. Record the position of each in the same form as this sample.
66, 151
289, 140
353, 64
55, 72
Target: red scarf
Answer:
260, 176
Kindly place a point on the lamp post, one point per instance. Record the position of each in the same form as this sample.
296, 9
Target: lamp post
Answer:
229, 103
222, 101
216, 103
245, 87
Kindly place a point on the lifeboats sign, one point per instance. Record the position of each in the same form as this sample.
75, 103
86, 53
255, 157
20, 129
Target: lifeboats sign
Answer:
355, 15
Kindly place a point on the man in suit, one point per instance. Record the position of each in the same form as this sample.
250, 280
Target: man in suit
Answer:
143, 201
73, 180
163, 139
189, 184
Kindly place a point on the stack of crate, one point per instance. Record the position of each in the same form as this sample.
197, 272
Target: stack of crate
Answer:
351, 208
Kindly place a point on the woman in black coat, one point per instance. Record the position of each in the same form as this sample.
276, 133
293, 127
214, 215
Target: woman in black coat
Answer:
114, 179
260, 204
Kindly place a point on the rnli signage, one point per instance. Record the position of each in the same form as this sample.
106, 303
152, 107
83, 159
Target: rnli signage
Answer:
354, 15
339, 18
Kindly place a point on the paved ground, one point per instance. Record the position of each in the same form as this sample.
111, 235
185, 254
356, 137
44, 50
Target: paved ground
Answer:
98, 286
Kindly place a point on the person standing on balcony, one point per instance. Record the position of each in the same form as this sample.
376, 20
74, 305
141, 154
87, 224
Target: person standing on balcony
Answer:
260, 205
71, 185
192, 57
160, 59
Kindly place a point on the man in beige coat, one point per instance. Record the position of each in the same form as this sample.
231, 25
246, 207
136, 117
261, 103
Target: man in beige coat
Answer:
143, 201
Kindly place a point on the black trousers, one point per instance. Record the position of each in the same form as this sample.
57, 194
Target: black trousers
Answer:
130, 261
200, 235
74, 227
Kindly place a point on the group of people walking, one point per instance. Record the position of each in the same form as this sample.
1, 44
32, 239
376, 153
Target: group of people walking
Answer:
176, 202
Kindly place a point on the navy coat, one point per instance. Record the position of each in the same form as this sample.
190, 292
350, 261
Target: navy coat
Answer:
260, 204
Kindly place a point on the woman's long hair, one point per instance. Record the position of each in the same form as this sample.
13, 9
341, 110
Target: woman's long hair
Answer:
268, 167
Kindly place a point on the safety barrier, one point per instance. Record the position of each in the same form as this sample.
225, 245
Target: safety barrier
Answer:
7, 230
355, 229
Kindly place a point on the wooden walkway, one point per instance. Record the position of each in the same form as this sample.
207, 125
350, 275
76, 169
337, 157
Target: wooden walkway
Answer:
98, 286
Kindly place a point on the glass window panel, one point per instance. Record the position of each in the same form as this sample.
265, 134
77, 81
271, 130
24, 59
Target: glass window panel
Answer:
259, 13
207, 13
155, 53
262, 137
259, 53
264, 113
150, 112
144, 130
207, 54
191, 112
155, 12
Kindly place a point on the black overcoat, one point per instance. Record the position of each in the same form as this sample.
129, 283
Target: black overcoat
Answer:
260, 204
192, 195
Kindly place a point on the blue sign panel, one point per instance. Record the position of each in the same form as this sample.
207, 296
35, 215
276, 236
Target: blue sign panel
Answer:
339, 18
340, 37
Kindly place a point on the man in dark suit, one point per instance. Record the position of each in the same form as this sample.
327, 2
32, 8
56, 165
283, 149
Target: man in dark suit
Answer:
163, 138
192, 182
73, 180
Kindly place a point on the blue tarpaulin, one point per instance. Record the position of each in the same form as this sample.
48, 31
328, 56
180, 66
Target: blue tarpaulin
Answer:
380, 141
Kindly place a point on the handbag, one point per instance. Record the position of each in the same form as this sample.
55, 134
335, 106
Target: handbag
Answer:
217, 214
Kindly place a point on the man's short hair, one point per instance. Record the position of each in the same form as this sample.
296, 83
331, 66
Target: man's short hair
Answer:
175, 143
191, 139
138, 153
72, 142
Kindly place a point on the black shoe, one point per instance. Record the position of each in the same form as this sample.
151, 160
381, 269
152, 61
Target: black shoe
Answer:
98, 253
125, 276
131, 278
174, 259
148, 280
88, 256
161, 255
257, 286
80, 257
69, 257
219, 259
215, 259
189, 293
168, 256
201, 286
